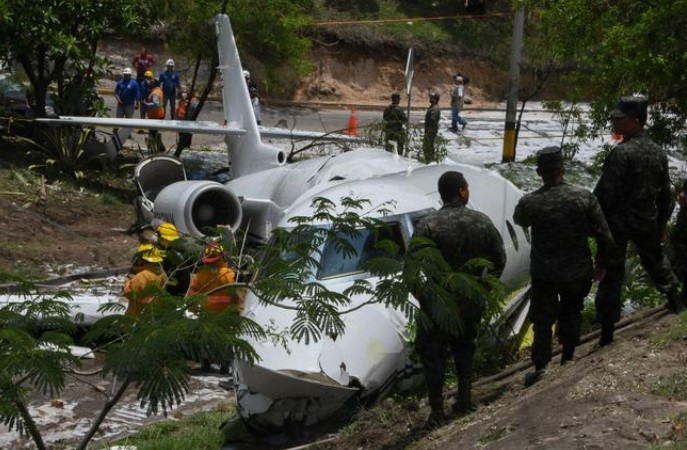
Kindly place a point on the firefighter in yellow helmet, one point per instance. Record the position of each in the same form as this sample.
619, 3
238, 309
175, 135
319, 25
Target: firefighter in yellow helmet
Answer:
147, 271
181, 255
214, 278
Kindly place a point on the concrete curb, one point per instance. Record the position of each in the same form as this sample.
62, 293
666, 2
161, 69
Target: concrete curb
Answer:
320, 104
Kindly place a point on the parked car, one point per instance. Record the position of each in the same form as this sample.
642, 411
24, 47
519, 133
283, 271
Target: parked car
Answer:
14, 100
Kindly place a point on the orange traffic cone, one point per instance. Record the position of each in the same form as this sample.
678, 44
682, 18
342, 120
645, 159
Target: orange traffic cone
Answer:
352, 124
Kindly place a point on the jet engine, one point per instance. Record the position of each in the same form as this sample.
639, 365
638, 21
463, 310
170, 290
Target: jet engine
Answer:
193, 206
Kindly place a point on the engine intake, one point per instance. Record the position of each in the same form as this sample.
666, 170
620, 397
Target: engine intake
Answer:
194, 206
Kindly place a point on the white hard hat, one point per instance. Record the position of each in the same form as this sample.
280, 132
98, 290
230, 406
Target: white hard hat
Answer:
126, 71
246, 74
170, 62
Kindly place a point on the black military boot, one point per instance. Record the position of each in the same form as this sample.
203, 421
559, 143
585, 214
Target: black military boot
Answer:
674, 303
533, 377
606, 335
463, 404
567, 354
436, 417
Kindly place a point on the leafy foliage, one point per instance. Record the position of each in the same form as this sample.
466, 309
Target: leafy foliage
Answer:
200, 431
268, 34
573, 125
619, 48
292, 280
151, 350
49, 39
63, 151
637, 286
34, 335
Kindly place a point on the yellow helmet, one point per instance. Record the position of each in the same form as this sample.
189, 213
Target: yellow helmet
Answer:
168, 231
148, 73
213, 252
150, 253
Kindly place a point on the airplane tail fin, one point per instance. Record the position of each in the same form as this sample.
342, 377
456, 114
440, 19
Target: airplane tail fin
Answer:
247, 153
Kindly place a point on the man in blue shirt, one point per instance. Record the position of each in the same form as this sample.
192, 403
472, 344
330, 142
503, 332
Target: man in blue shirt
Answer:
127, 94
169, 81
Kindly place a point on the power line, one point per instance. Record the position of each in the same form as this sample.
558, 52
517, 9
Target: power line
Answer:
408, 19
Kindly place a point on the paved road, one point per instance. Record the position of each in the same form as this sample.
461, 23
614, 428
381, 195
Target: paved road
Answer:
485, 129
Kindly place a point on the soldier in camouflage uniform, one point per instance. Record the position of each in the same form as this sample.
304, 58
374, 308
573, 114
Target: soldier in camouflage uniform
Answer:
634, 192
432, 118
460, 234
562, 217
393, 120
678, 242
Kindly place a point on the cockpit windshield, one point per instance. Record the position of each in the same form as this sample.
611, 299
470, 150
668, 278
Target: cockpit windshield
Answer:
335, 263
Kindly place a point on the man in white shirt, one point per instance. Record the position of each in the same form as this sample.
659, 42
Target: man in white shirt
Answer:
457, 101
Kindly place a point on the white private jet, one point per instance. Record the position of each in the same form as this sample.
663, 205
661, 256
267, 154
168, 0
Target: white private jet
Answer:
307, 382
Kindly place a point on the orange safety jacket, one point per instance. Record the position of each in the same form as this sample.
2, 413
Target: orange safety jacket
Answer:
156, 111
133, 287
208, 278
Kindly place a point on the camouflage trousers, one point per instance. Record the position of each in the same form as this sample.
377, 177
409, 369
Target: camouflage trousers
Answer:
432, 344
553, 302
428, 146
389, 147
654, 261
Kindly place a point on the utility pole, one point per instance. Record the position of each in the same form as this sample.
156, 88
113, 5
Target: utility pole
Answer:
513, 86
409, 72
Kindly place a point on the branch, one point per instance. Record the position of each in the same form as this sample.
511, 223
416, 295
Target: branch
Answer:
30, 425
106, 409
74, 374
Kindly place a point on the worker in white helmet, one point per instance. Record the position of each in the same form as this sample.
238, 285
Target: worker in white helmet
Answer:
169, 81
127, 94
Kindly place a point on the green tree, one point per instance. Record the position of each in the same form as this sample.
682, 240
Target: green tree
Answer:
268, 34
619, 48
151, 351
50, 37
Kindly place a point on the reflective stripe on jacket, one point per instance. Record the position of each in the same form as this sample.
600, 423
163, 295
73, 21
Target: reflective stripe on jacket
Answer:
156, 109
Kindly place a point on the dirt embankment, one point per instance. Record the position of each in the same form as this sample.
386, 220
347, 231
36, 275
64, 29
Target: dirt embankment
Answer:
344, 75
629, 395
347, 76
59, 228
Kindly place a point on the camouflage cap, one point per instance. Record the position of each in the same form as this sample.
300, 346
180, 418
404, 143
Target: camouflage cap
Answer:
549, 158
634, 106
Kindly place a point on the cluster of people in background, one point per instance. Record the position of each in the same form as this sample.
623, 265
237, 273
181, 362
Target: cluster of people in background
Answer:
632, 202
152, 96
394, 120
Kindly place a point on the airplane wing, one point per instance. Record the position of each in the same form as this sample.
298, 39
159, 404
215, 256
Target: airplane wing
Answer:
286, 133
179, 126
192, 126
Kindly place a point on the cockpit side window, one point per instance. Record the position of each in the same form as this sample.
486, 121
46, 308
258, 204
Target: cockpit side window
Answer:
365, 247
